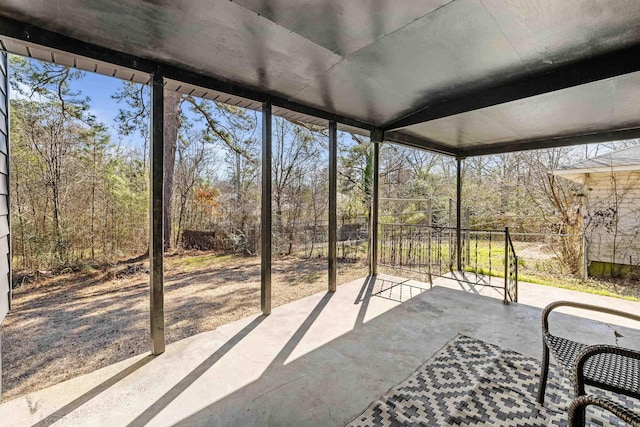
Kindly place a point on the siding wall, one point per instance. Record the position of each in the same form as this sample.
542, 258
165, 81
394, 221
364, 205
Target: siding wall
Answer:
604, 192
5, 240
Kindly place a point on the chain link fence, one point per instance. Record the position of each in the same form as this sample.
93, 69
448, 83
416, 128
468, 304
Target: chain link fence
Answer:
307, 239
550, 254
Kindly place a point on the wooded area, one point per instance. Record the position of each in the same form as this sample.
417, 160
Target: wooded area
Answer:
79, 197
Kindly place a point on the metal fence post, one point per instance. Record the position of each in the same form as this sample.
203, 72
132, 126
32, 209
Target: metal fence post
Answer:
468, 233
515, 296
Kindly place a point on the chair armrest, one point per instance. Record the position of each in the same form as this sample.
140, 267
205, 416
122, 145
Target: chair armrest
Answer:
579, 404
548, 309
585, 354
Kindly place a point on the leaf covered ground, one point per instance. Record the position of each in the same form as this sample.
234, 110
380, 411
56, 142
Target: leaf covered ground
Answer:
72, 324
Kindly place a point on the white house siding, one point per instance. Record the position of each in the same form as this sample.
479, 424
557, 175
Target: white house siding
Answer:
613, 238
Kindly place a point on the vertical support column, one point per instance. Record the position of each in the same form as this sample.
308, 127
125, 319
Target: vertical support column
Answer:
459, 212
265, 228
333, 206
377, 137
156, 222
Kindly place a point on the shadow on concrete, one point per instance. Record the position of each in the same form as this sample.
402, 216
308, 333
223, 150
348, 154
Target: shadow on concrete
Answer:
363, 298
368, 349
475, 283
94, 392
176, 390
301, 331
286, 351
388, 348
399, 290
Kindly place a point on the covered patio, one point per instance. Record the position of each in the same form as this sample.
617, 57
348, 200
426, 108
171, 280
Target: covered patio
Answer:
317, 361
462, 78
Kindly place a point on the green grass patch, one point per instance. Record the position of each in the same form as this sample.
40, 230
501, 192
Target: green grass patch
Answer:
591, 286
304, 279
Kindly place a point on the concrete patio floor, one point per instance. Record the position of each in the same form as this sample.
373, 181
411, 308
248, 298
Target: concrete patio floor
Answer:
318, 361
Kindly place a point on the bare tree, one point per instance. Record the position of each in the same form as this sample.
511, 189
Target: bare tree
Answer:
217, 119
191, 162
294, 152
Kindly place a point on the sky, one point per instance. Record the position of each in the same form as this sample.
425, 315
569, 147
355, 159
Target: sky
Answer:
101, 89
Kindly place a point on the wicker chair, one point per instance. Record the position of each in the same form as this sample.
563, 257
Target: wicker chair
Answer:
580, 403
607, 367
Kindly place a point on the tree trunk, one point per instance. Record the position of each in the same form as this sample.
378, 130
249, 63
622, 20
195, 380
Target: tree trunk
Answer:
183, 206
172, 110
280, 233
20, 220
56, 222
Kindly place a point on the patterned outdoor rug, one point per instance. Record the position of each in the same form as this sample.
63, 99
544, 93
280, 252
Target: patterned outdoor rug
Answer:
470, 382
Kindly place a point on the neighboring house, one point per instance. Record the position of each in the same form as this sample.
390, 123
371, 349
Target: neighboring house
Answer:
611, 210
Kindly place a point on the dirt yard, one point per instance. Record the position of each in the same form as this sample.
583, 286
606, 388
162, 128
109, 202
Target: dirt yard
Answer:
73, 324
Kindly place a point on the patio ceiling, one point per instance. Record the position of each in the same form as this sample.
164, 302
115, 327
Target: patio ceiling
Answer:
463, 77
